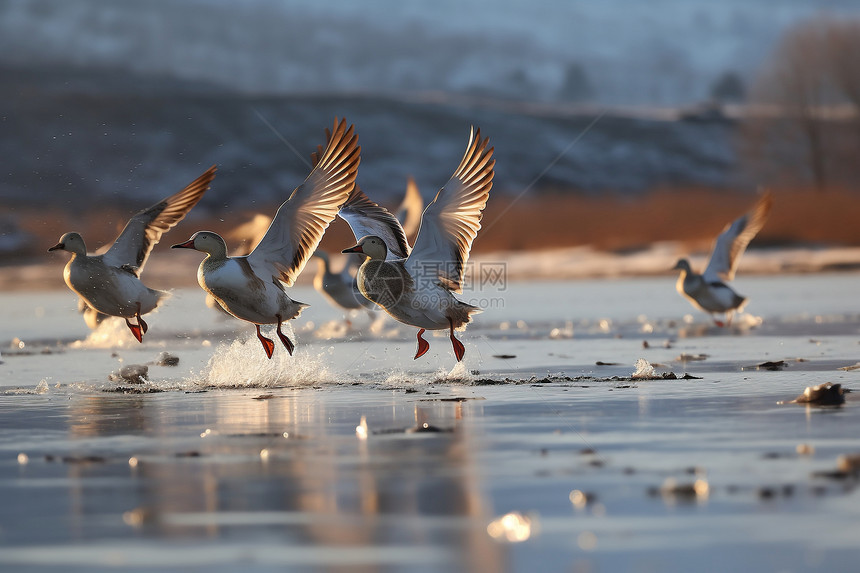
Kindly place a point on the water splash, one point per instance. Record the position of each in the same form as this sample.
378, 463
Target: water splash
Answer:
644, 370
244, 364
459, 373
399, 378
111, 333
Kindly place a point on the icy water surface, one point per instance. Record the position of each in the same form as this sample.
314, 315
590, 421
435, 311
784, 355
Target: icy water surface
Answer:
542, 452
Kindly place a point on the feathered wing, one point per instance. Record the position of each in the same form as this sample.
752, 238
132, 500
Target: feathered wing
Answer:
734, 239
451, 221
367, 218
144, 229
302, 219
409, 211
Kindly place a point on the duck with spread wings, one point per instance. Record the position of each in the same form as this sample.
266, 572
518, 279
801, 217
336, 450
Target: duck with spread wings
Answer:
252, 287
708, 291
109, 283
417, 286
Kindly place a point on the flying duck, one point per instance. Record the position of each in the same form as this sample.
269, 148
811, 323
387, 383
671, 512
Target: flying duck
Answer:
708, 291
109, 283
252, 287
416, 286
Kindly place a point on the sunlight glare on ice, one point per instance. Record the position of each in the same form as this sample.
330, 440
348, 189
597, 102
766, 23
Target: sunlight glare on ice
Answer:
512, 527
361, 429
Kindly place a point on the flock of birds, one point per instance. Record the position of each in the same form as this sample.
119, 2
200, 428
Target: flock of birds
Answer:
416, 284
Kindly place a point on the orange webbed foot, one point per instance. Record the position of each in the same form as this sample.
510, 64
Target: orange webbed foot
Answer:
288, 344
423, 346
268, 343
459, 349
135, 330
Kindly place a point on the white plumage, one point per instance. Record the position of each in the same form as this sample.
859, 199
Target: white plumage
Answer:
416, 286
708, 291
252, 287
109, 283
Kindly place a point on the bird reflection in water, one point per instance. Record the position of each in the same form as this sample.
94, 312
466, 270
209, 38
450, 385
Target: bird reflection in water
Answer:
199, 472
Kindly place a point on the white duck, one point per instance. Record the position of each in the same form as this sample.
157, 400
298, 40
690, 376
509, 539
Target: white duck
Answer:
341, 289
110, 283
252, 287
708, 291
417, 287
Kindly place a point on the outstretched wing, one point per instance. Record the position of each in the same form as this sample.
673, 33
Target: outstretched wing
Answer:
367, 218
144, 229
451, 221
302, 219
734, 239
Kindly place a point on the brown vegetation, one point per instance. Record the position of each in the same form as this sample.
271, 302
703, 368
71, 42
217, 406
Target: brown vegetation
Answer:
611, 223
608, 222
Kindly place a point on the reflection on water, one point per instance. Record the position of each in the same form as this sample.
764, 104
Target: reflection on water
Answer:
283, 467
562, 474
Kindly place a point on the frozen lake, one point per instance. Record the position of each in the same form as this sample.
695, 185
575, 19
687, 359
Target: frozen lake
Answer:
543, 459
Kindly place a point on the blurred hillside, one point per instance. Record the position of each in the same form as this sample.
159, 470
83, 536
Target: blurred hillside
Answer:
599, 109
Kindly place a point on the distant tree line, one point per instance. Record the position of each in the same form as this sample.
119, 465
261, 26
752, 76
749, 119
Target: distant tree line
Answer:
803, 127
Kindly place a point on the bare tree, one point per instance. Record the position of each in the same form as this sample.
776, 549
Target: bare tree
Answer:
844, 55
812, 74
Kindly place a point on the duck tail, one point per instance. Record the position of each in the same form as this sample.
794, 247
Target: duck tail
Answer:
461, 314
161, 296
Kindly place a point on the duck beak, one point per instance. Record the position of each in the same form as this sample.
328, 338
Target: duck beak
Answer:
189, 244
57, 247
355, 249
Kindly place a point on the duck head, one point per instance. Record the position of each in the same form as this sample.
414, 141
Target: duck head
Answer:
207, 242
682, 265
370, 246
72, 242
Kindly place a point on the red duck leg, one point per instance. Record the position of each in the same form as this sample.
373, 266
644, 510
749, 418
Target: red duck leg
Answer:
268, 344
459, 349
139, 329
284, 339
135, 330
423, 346
140, 320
